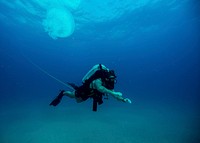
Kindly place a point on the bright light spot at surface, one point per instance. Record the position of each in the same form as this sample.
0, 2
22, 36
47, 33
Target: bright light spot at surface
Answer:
105, 19
56, 16
59, 23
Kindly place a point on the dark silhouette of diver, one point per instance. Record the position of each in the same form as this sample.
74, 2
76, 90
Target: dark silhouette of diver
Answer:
98, 82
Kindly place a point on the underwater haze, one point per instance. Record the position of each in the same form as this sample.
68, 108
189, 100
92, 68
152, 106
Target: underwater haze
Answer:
153, 46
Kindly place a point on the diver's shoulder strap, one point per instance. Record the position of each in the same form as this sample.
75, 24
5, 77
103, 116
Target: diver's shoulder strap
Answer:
100, 66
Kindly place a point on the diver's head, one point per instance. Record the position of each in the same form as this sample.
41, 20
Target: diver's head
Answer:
111, 75
110, 79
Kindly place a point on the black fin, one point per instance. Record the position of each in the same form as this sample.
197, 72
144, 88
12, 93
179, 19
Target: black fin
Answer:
57, 100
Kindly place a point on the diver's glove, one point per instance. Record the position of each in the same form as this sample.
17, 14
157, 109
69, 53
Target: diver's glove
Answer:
127, 100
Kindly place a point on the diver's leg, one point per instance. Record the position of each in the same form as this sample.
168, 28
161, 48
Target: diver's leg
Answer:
69, 94
72, 95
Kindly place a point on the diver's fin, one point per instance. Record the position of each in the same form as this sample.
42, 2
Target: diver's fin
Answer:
57, 100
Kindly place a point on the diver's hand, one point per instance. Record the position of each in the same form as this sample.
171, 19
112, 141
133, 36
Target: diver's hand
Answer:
127, 100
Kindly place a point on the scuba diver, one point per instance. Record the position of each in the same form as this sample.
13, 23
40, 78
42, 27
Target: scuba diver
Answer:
98, 82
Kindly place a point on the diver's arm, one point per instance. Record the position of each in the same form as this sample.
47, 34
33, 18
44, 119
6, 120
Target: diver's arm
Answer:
102, 89
118, 96
97, 84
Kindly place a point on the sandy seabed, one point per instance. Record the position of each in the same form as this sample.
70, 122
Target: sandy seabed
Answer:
111, 124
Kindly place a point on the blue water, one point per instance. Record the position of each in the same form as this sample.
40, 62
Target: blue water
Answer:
152, 45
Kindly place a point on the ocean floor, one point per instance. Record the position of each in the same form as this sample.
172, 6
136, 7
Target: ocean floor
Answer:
113, 123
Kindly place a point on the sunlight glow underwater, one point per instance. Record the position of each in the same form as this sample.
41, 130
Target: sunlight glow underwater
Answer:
59, 22
56, 16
